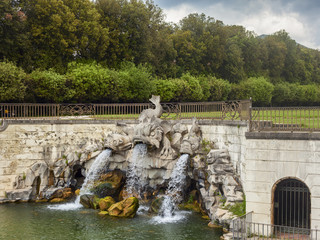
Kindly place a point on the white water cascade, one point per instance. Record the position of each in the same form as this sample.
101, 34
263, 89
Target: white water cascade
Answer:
97, 167
135, 180
173, 194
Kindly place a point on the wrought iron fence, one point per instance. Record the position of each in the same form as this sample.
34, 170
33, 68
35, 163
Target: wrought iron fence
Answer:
244, 229
285, 119
226, 110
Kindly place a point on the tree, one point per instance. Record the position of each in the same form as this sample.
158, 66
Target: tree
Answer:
63, 30
138, 34
14, 34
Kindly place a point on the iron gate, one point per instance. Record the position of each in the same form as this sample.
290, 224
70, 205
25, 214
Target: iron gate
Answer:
292, 204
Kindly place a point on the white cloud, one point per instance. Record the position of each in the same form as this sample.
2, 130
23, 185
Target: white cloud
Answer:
267, 23
258, 16
175, 14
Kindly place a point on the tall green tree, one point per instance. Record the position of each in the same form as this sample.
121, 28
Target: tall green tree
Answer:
64, 30
14, 34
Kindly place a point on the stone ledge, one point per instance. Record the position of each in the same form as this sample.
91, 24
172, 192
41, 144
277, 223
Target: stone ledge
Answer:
3, 125
73, 121
92, 121
283, 135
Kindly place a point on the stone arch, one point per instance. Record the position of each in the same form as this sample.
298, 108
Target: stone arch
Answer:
291, 203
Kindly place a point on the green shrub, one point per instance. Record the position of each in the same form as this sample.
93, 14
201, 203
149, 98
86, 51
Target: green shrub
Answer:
258, 88
138, 82
12, 86
92, 82
166, 89
48, 86
215, 89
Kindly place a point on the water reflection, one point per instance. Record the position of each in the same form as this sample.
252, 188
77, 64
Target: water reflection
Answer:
36, 221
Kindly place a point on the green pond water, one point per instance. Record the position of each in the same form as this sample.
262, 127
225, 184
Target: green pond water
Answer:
36, 221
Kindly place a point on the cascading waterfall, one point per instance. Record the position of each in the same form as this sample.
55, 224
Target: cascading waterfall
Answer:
135, 181
173, 194
97, 167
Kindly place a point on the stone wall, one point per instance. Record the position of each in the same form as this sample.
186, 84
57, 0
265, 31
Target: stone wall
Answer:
260, 159
24, 143
271, 157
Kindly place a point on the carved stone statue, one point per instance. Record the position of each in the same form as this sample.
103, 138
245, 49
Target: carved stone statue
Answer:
191, 143
118, 142
149, 113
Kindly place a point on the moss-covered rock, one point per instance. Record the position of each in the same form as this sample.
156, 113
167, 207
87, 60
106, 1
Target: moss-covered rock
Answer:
109, 184
89, 201
125, 208
103, 213
106, 202
57, 200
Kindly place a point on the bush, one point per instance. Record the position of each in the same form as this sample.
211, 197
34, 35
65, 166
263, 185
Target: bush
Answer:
258, 88
93, 83
188, 89
282, 95
137, 82
12, 87
48, 86
166, 89
215, 89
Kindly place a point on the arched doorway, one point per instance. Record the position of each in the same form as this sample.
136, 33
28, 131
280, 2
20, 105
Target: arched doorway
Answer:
291, 204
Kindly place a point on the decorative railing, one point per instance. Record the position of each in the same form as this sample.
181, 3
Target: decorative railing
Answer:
285, 119
227, 110
243, 229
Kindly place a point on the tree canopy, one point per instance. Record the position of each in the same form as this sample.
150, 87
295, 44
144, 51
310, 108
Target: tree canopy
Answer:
47, 39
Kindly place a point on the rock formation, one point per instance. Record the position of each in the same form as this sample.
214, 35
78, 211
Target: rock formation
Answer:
215, 181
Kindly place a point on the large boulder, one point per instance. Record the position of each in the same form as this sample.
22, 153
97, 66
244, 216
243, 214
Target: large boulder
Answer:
125, 208
51, 193
89, 201
106, 202
109, 184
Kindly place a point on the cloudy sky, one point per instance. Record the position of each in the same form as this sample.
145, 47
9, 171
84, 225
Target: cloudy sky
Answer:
300, 18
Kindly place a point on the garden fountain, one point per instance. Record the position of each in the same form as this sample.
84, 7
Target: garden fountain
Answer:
154, 159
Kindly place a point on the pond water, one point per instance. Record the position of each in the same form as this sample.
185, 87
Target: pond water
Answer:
37, 221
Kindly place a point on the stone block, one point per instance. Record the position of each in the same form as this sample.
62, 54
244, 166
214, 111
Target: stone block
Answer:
258, 197
259, 176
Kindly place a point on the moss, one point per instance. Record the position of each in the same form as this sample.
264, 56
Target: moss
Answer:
206, 146
103, 213
238, 209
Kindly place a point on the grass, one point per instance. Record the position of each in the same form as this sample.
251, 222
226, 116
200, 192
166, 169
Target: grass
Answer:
289, 118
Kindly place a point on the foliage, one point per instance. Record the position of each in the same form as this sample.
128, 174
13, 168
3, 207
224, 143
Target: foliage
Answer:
92, 82
238, 209
47, 87
198, 59
258, 88
12, 78
215, 89
139, 82
191, 90
166, 88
